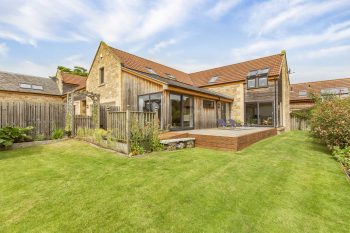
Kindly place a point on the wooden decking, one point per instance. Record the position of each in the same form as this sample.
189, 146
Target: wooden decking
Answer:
227, 139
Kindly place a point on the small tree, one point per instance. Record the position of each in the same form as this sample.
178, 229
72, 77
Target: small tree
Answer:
78, 70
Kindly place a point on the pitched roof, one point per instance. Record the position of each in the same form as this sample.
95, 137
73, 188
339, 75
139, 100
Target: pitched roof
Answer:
79, 81
183, 85
229, 73
239, 71
316, 87
141, 64
11, 82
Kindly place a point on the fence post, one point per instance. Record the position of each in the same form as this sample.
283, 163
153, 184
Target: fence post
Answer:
128, 124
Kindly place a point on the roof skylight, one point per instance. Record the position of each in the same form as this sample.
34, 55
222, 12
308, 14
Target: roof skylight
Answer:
263, 71
171, 76
260, 72
30, 86
149, 69
37, 87
213, 79
25, 86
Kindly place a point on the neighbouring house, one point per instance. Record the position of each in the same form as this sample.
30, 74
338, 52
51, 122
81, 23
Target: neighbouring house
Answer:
255, 92
21, 87
68, 82
300, 93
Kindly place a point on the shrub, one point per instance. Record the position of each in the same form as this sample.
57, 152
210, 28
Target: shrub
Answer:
39, 137
303, 114
57, 134
343, 156
330, 122
10, 135
144, 137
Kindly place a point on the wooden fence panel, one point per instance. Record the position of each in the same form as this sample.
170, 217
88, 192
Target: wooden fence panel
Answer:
82, 122
299, 124
44, 117
118, 122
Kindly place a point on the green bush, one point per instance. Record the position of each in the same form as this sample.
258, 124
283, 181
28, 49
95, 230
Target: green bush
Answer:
304, 114
10, 135
144, 137
57, 134
39, 137
330, 122
343, 156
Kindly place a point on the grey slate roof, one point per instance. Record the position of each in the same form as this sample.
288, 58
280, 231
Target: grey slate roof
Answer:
11, 81
182, 85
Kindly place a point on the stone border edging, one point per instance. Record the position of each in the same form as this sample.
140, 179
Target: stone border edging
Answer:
35, 143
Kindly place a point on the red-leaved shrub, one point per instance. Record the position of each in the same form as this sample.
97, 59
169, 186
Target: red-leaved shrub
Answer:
330, 122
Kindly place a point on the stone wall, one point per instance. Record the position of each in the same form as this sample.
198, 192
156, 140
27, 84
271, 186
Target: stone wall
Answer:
110, 90
29, 97
285, 114
237, 91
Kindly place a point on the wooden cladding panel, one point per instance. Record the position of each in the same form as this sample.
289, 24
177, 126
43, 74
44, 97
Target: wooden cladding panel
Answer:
204, 117
260, 94
134, 86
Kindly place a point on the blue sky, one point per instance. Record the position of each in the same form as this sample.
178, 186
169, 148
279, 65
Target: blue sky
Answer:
38, 35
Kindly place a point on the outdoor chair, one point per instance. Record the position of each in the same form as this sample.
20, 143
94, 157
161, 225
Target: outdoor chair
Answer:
222, 123
233, 123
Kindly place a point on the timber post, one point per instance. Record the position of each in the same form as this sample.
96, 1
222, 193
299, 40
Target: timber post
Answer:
128, 124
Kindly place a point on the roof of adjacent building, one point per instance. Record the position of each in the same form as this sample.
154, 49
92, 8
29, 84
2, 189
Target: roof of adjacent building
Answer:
239, 71
225, 74
183, 85
316, 87
73, 79
11, 82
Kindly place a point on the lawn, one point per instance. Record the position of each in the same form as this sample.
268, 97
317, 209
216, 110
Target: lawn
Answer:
288, 183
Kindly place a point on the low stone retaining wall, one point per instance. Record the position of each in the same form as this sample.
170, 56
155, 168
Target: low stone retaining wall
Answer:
34, 143
178, 143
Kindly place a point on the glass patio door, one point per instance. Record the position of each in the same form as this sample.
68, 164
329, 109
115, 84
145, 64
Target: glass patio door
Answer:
181, 111
259, 113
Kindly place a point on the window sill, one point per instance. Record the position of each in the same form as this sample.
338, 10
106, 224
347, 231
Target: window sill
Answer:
252, 88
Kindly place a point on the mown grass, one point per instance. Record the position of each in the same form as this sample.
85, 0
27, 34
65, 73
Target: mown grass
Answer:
287, 183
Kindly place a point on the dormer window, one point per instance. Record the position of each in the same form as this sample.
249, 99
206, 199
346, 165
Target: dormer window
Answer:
150, 70
257, 78
213, 79
170, 76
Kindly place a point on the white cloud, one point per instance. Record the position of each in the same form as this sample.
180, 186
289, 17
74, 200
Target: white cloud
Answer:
30, 68
334, 33
161, 45
310, 72
273, 15
112, 21
29, 21
222, 7
325, 52
3, 49
44, 69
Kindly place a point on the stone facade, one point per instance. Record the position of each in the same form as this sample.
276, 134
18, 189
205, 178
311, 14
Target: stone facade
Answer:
237, 91
285, 113
29, 97
110, 90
